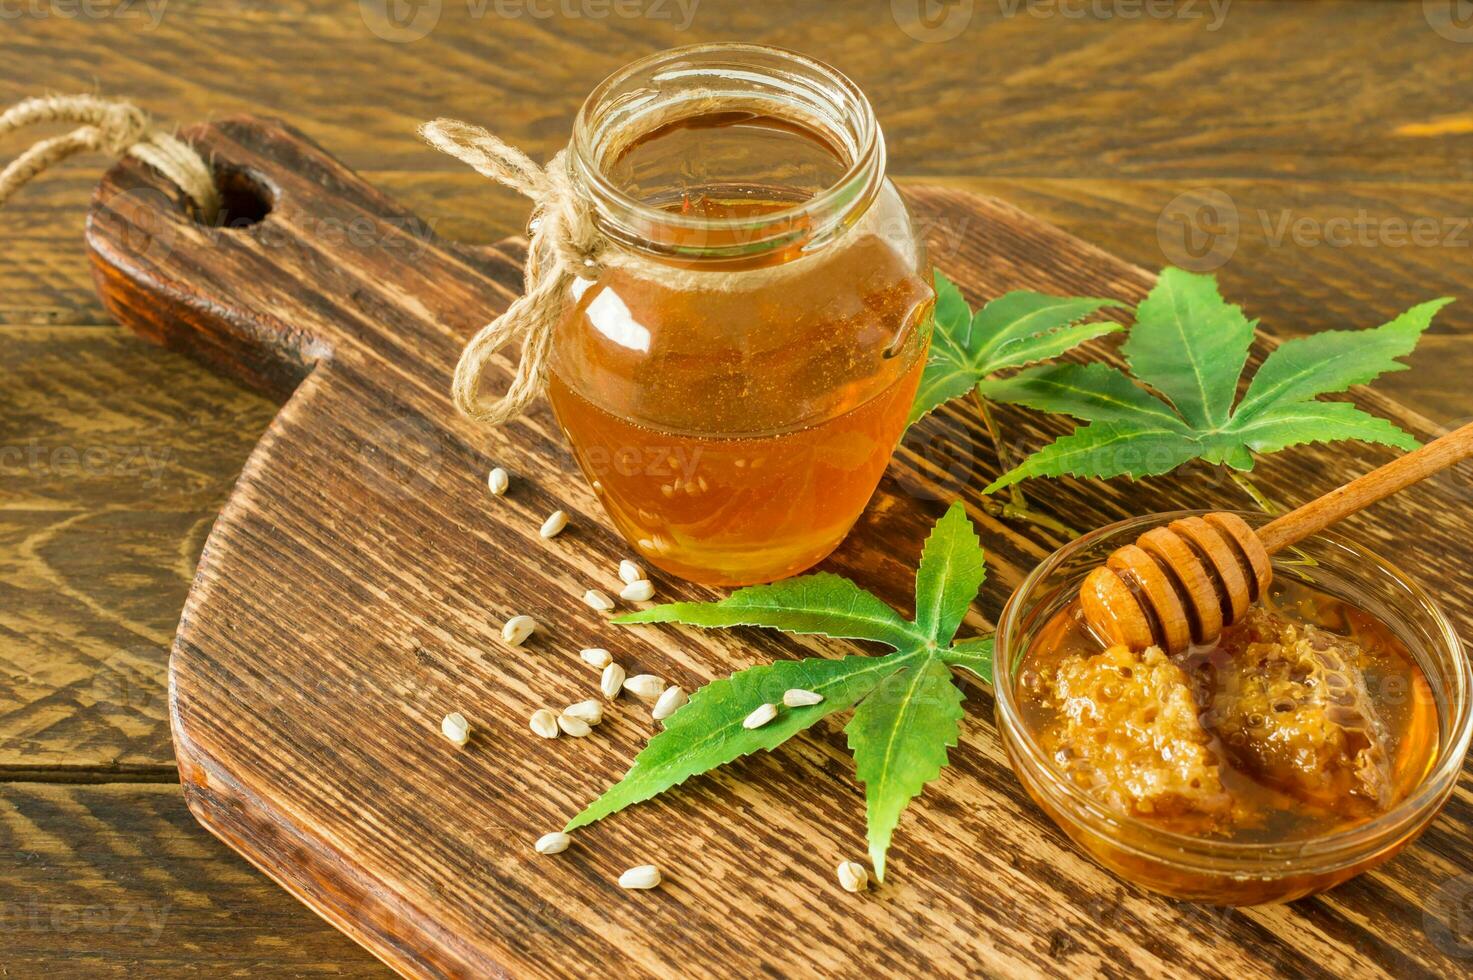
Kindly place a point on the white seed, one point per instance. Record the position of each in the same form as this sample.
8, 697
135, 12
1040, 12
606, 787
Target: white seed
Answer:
670, 701
586, 711
544, 723
853, 877
629, 572
517, 629
640, 591
454, 727
645, 686
498, 481
553, 843
799, 698
644, 876
598, 600
611, 681
554, 524
596, 657
760, 717
575, 727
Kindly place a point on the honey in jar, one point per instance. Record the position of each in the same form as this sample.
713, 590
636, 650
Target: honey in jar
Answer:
733, 388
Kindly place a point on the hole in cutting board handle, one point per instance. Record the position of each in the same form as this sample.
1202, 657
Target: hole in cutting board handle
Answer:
245, 199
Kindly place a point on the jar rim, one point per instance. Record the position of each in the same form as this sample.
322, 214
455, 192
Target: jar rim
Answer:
865, 147
1336, 849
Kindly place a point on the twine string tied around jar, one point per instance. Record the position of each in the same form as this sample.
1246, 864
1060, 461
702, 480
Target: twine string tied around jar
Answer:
564, 243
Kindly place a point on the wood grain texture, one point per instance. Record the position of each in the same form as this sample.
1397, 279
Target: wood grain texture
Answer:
352, 589
77, 385
121, 877
1323, 89
1322, 109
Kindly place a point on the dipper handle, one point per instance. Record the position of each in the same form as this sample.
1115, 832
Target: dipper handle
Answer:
1186, 582
1380, 483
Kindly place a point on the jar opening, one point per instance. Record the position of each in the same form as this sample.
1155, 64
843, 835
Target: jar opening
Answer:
726, 151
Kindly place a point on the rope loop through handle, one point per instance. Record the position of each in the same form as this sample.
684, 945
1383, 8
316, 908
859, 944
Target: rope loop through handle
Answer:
565, 243
111, 126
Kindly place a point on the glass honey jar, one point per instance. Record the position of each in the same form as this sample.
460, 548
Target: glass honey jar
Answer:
733, 387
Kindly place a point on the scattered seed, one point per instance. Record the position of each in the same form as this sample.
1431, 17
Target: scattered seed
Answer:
598, 600
554, 524
669, 703
586, 711
517, 629
640, 591
853, 877
799, 698
645, 686
456, 728
596, 657
611, 681
544, 723
553, 843
575, 727
498, 481
629, 572
643, 876
760, 717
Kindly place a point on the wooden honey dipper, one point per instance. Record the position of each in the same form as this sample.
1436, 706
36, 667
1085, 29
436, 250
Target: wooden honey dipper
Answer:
1185, 582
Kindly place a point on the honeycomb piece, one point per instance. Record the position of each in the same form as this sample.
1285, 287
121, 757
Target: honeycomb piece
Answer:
1289, 703
1125, 729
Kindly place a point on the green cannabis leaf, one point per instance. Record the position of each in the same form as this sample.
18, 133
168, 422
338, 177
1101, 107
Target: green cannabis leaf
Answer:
1186, 352
907, 709
1013, 330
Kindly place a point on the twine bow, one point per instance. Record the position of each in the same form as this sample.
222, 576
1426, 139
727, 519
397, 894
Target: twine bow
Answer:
564, 244
108, 126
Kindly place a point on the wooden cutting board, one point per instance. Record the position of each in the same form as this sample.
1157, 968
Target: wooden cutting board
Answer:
352, 591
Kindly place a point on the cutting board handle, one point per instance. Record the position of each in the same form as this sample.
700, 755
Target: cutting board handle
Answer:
298, 269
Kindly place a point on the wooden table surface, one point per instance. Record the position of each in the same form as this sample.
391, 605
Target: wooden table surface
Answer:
1327, 145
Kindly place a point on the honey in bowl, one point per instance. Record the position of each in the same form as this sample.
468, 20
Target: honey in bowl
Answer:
734, 402
1307, 717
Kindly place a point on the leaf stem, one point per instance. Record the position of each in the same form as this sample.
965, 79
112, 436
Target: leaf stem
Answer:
1016, 507
1251, 489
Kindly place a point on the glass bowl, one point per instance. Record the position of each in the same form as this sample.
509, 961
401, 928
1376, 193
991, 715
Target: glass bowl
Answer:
1236, 872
